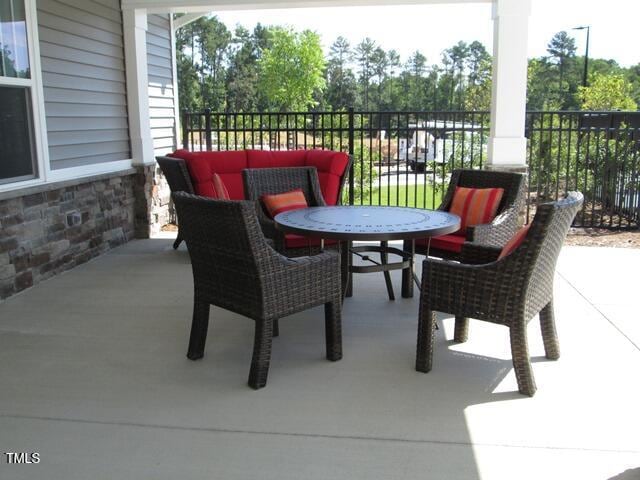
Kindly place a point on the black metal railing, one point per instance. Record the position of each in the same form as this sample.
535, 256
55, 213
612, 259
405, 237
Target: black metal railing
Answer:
405, 158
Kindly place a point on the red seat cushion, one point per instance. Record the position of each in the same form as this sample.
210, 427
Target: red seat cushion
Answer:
275, 159
331, 167
291, 240
475, 206
283, 202
450, 243
515, 241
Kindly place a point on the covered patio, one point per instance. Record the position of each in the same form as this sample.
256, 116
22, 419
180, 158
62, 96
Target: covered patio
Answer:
94, 377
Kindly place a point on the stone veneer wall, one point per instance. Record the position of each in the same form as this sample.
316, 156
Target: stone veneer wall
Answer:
48, 229
154, 208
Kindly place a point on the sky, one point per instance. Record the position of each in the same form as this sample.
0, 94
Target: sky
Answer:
432, 28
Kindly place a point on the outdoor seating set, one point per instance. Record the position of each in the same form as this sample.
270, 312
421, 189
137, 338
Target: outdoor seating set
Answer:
256, 224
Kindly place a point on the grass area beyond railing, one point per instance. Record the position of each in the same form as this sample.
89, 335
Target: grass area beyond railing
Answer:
420, 196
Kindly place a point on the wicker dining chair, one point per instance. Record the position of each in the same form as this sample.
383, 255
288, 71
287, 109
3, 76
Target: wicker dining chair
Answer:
234, 268
496, 233
269, 181
505, 223
507, 291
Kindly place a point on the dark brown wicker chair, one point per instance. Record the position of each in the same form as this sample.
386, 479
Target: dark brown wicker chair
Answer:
504, 225
269, 181
234, 268
509, 291
496, 233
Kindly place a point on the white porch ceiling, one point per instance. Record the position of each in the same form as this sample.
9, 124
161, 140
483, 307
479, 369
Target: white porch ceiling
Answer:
179, 6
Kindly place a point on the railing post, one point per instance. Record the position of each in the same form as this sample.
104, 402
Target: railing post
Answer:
186, 127
207, 128
351, 133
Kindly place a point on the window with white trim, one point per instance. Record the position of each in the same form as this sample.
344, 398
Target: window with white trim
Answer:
17, 138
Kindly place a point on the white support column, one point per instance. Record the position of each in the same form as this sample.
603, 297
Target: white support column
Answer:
135, 49
507, 143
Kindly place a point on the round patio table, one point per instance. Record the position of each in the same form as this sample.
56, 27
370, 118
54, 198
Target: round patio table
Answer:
370, 223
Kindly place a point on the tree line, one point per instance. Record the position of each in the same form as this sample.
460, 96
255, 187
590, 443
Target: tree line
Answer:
279, 69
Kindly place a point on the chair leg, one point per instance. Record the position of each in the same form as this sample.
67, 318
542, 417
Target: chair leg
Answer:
461, 331
276, 328
261, 354
521, 360
333, 329
178, 241
426, 332
199, 327
549, 334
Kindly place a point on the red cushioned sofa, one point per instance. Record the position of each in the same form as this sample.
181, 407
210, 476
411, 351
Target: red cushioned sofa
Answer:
192, 172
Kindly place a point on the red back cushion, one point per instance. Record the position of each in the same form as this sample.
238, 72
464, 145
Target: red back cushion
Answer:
515, 241
475, 206
331, 167
283, 202
219, 188
228, 165
275, 159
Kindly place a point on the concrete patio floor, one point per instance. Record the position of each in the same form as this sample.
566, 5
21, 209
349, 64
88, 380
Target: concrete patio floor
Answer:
93, 377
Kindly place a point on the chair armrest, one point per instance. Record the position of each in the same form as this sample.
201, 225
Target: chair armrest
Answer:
498, 232
302, 282
269, 230
474, 254
316, 191
177, 175
483, 291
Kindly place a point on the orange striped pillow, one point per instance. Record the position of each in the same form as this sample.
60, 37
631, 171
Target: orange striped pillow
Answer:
514, 242
283, 202
475, 206
219, 189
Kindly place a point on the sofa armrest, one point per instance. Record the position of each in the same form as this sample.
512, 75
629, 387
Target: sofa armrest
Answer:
177, 175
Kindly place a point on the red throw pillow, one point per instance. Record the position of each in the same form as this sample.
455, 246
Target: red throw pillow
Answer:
475, 206
219, 190
283, 202
515, 241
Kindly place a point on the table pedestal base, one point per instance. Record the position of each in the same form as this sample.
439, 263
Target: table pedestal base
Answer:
383, 265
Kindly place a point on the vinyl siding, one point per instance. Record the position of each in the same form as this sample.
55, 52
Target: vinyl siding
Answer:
83, 74
161, 94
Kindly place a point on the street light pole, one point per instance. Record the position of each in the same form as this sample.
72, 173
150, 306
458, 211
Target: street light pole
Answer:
586, 54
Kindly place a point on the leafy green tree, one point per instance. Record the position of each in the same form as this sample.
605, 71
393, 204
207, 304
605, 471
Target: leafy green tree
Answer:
478, 64
607, 92
291, 69
213, 41
189, 91
477, 94
562, 54
455, 58
416, 67
364, 56
341, 88
392, 98
242, 74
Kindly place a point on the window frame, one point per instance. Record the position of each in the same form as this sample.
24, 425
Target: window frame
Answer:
34, 84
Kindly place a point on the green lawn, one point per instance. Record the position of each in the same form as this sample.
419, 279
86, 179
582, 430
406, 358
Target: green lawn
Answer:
421, 196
